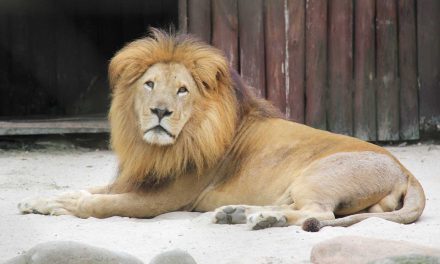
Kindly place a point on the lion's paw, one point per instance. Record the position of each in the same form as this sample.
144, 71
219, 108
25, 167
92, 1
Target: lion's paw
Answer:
37, 206
63, 204
230, 214
266, 219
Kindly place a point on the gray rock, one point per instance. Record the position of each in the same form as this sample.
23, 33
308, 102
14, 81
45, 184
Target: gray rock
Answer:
408, 259
69, 252
175, 256
360, 250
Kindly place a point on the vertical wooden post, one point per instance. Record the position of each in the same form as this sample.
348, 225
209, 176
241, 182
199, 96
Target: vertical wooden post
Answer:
428, 35
409, 107
199, 19
225, 29
387, 92
183, 16
251, 32
340, 67
296, 58
364, 70
316, 63
275, 44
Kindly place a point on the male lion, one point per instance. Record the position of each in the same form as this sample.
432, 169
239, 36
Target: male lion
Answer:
190, 136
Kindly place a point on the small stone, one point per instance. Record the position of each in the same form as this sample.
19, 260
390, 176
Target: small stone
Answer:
69, 252
176, 256
403, 144
406, 259
369, 250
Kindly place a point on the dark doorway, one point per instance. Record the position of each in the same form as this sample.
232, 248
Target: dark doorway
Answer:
54, 53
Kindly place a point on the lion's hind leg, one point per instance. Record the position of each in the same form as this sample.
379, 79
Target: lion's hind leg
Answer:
389, 203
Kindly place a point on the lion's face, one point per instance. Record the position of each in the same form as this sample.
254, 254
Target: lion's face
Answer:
163, 103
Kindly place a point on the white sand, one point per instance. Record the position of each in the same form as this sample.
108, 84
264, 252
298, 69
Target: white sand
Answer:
31, 174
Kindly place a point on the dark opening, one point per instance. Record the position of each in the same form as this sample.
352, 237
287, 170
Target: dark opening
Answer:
54, 53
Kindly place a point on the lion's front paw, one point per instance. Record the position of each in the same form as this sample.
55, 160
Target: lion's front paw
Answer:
231, 214
71, 203
36, 206
266, 219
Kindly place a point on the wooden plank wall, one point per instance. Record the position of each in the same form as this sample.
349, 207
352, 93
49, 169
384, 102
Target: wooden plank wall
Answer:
364, 70
386, 69
348, 66
296, 45
428, 40
252, 53
275, 47
225, 25
340, 67
409, 108
316, 63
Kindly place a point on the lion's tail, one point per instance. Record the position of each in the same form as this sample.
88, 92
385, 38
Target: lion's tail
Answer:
413, 205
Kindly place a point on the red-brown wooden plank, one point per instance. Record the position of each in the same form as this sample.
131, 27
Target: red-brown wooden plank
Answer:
316, 63
428, 21
251, 32
386, 65
409, 114
183, 16
199, 19
275, 43
225, 28
340, 67
296, 59
364, 70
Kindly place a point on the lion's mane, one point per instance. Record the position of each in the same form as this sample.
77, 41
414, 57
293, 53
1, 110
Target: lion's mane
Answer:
205, 137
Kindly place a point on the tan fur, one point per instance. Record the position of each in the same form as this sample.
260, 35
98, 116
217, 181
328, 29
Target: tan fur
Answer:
232, 149
212, 124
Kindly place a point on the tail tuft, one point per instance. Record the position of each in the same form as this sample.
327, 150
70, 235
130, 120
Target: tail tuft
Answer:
311, 225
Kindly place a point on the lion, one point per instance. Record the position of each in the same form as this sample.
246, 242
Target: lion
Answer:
190, 135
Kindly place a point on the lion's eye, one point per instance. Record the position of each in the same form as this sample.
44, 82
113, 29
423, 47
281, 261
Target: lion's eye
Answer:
149, 85
182, 91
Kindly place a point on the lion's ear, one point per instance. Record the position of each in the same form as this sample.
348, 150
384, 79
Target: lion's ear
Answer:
129, 64
211, 70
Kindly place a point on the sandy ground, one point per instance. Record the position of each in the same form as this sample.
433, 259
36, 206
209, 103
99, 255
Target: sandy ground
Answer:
25, 174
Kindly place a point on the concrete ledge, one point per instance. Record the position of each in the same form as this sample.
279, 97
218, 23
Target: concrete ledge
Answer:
54, 126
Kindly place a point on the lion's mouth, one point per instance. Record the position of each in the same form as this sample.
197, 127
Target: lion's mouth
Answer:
160, 129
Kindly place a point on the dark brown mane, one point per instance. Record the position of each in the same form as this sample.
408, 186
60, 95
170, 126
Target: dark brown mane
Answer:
248, 102
214, 125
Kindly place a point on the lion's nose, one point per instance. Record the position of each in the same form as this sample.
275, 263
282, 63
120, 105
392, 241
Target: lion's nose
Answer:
161, 113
